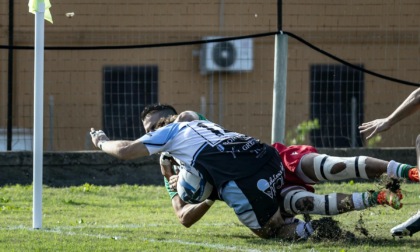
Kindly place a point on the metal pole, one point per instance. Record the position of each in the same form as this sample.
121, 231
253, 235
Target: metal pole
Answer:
51, 123
280, 82
279, 89
38, 116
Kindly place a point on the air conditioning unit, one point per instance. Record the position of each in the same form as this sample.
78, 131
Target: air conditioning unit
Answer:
228, 56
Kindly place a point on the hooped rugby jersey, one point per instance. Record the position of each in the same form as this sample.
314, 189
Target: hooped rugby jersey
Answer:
220, 155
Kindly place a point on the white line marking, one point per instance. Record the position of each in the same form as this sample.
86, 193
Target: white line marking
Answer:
216, 246
61, 230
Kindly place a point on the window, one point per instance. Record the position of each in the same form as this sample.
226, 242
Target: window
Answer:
127, 90
337, 102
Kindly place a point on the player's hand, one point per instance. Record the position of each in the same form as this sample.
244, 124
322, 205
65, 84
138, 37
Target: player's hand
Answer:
173, 182
167, 165
165, 159
374, 127
98, 137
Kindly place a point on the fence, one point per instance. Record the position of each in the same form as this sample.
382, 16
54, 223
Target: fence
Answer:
99, 73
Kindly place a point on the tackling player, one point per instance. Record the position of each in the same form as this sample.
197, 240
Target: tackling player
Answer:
410, 105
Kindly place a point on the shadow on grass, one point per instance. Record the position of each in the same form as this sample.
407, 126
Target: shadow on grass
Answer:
388, 242
356, 242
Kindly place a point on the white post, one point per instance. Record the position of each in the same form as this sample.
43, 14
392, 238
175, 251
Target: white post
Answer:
38, 116
279, 90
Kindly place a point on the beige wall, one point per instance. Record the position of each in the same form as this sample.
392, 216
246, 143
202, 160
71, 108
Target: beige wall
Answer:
381, 35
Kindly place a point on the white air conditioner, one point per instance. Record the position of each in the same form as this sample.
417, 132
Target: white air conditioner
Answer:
228, 56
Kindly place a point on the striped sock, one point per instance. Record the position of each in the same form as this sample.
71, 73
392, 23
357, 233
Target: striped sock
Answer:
373, 199
398, 170
405, 168
361, 200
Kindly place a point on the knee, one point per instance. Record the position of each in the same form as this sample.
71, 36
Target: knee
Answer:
305, 204
296, 201
264, 234
271, 228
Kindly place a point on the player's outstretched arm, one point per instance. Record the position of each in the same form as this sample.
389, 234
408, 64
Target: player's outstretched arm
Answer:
121, 149
408, 107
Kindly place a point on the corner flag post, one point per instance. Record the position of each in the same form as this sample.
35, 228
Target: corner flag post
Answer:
40, 9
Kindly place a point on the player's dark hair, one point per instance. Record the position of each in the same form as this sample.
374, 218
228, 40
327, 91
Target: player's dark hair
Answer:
151, 109
165, 121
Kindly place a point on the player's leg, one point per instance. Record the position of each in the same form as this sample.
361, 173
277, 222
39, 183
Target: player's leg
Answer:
255, 202
264, 219
261, 214
316, 167
296, 200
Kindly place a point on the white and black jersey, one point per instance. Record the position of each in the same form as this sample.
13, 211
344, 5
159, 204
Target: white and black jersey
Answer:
221, 154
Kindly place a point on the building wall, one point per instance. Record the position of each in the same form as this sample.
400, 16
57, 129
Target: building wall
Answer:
382, 35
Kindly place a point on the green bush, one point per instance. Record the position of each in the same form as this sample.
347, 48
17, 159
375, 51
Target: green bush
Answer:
300, 133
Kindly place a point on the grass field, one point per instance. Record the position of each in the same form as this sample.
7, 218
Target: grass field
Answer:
140, 218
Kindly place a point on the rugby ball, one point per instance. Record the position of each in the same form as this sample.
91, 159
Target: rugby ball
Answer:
192, 187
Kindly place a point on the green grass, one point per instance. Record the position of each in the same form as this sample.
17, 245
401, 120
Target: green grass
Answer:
140, 218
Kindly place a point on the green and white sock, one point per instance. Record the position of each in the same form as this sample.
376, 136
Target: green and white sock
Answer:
398, 170
364, 200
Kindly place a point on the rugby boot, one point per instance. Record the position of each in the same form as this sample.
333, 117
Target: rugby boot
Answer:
408, 228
